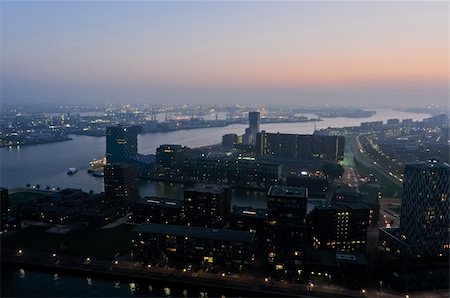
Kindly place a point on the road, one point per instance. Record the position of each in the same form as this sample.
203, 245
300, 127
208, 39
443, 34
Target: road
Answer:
128, 270
356, 147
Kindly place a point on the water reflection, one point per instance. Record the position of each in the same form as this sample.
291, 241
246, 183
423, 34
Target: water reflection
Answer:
167, 291
22, 273
117, 285
89, 281
132, 287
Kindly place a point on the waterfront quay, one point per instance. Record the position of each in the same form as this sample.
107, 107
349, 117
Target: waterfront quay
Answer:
131, 271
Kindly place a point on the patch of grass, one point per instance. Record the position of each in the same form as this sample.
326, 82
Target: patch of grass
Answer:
19, 197
104, 243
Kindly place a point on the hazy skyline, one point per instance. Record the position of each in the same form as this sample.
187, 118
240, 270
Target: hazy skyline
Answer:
358, 53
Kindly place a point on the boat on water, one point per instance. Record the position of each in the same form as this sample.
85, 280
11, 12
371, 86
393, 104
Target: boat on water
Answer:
98, 174
72, 171
98, 163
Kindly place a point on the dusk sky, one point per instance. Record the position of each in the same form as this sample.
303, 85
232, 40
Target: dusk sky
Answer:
297, 53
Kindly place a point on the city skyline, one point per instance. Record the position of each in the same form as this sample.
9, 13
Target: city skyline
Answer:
349, 53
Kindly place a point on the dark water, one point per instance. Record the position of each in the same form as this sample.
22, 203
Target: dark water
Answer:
20, 282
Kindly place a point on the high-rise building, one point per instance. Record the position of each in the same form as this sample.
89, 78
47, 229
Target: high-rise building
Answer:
207, 205
121, 143
424, 217
254, 120
249, 137
286, 212
4, 205
122, 182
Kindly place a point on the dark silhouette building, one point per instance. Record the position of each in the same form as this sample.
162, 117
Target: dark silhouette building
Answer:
158, 210
340, 228
122, 182
286, 212
121, 143
169, 160
253, 129
300, 147
425, 208
424, 225
205, 247
4, 206
249, 219
229, 141
207, 205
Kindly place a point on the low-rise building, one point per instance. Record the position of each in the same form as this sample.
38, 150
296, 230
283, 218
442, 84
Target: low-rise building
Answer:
202, 246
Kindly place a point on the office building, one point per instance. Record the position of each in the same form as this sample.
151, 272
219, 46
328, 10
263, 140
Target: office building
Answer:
300, 147
254, 121
249, 137
207, 206
121, 143
122, 183
424, 216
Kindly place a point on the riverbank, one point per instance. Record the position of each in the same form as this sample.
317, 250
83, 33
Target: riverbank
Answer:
166, 127
135, 272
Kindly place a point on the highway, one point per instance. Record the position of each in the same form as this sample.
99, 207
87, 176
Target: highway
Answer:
357, 151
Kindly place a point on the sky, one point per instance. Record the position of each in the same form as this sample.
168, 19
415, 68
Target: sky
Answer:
256, 53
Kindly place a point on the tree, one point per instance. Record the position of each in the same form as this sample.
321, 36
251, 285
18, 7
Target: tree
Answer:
38, 186
28, 185
48, 187
332, 170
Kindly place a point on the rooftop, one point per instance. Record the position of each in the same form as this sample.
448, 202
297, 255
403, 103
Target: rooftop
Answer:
431, 163
288, 191
250, 212
160, 202
195, 232
207, 188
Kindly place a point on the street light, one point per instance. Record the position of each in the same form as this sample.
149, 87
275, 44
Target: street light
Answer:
19, 252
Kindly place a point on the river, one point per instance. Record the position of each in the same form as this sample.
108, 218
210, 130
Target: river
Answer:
46, 164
